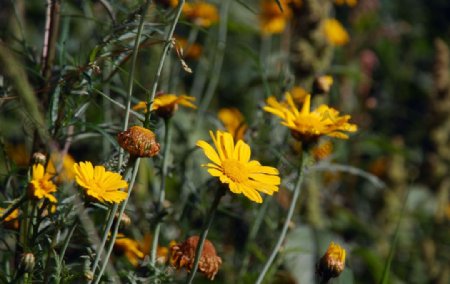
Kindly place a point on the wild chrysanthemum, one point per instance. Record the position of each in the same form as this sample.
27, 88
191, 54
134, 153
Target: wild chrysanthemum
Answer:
232, 165
335, 33
332, 262
234, 122
130, 248
166, 104
201, 13
40, 185
306, 125
99, 184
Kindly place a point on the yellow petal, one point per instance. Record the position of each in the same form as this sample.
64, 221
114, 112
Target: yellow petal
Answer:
209, 152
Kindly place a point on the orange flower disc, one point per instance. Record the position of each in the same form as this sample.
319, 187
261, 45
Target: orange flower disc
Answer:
139, 141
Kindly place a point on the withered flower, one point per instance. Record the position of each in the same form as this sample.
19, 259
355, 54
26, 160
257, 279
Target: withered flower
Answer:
139, 141
183, 255
332, 262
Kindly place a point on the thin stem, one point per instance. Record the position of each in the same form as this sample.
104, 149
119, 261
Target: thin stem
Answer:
125, 126
16, 203
119, 218
162, 190
168, 45
286, 222
212, 211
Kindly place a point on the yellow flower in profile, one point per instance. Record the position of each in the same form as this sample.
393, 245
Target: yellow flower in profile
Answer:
99, 184
232, 165
306, 125
40, 185
335, 33
130, 248
332, 262
350, 3
166, 104
234, 122
298, 94
65, 171
12, 220
201, 13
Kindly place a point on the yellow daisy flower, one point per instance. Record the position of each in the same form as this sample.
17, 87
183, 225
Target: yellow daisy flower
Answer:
100, 184
232, 165
272, 19
130, 248
166, 104
40, 185
234, 122
335, 33
201, 13
66, 173
306, 125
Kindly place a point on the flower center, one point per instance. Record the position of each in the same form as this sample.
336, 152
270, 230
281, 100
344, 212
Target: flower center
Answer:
235, 170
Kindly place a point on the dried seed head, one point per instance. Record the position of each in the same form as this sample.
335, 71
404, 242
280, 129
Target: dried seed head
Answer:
332, 262
183, 255
139, 141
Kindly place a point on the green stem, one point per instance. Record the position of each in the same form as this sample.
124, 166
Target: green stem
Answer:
125, 126
119, 218
286, 222
162, 190
168, 45
212, 211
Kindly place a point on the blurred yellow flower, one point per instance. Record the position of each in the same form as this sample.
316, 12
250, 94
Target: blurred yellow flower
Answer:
12, 220
332, 262
234, 122
201, 13
65, 172
190, 51
306, 125
40, 185
166, 104
232, 165
18, 154
323, 150
350, 3
335, 33
322, 84
298, 94
272, 19
130, 248
99, 184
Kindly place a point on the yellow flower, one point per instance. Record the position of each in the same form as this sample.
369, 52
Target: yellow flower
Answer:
12, 220
233, 120
100, 184
350, 3
323, 150
298, 94
130, 248
65, 173
166, 104
191, 51
40, 185
272, 19
332, 262
322, 84
201, 13
232, 165
334, 32
306, 125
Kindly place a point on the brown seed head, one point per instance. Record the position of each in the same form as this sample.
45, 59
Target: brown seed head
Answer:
183, 255
139, 141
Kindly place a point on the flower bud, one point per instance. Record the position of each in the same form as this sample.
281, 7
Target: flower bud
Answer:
332, 262
39, 158
27, 262
322, 84
139, 141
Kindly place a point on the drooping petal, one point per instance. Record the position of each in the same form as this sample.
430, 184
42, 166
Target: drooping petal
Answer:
209, 152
